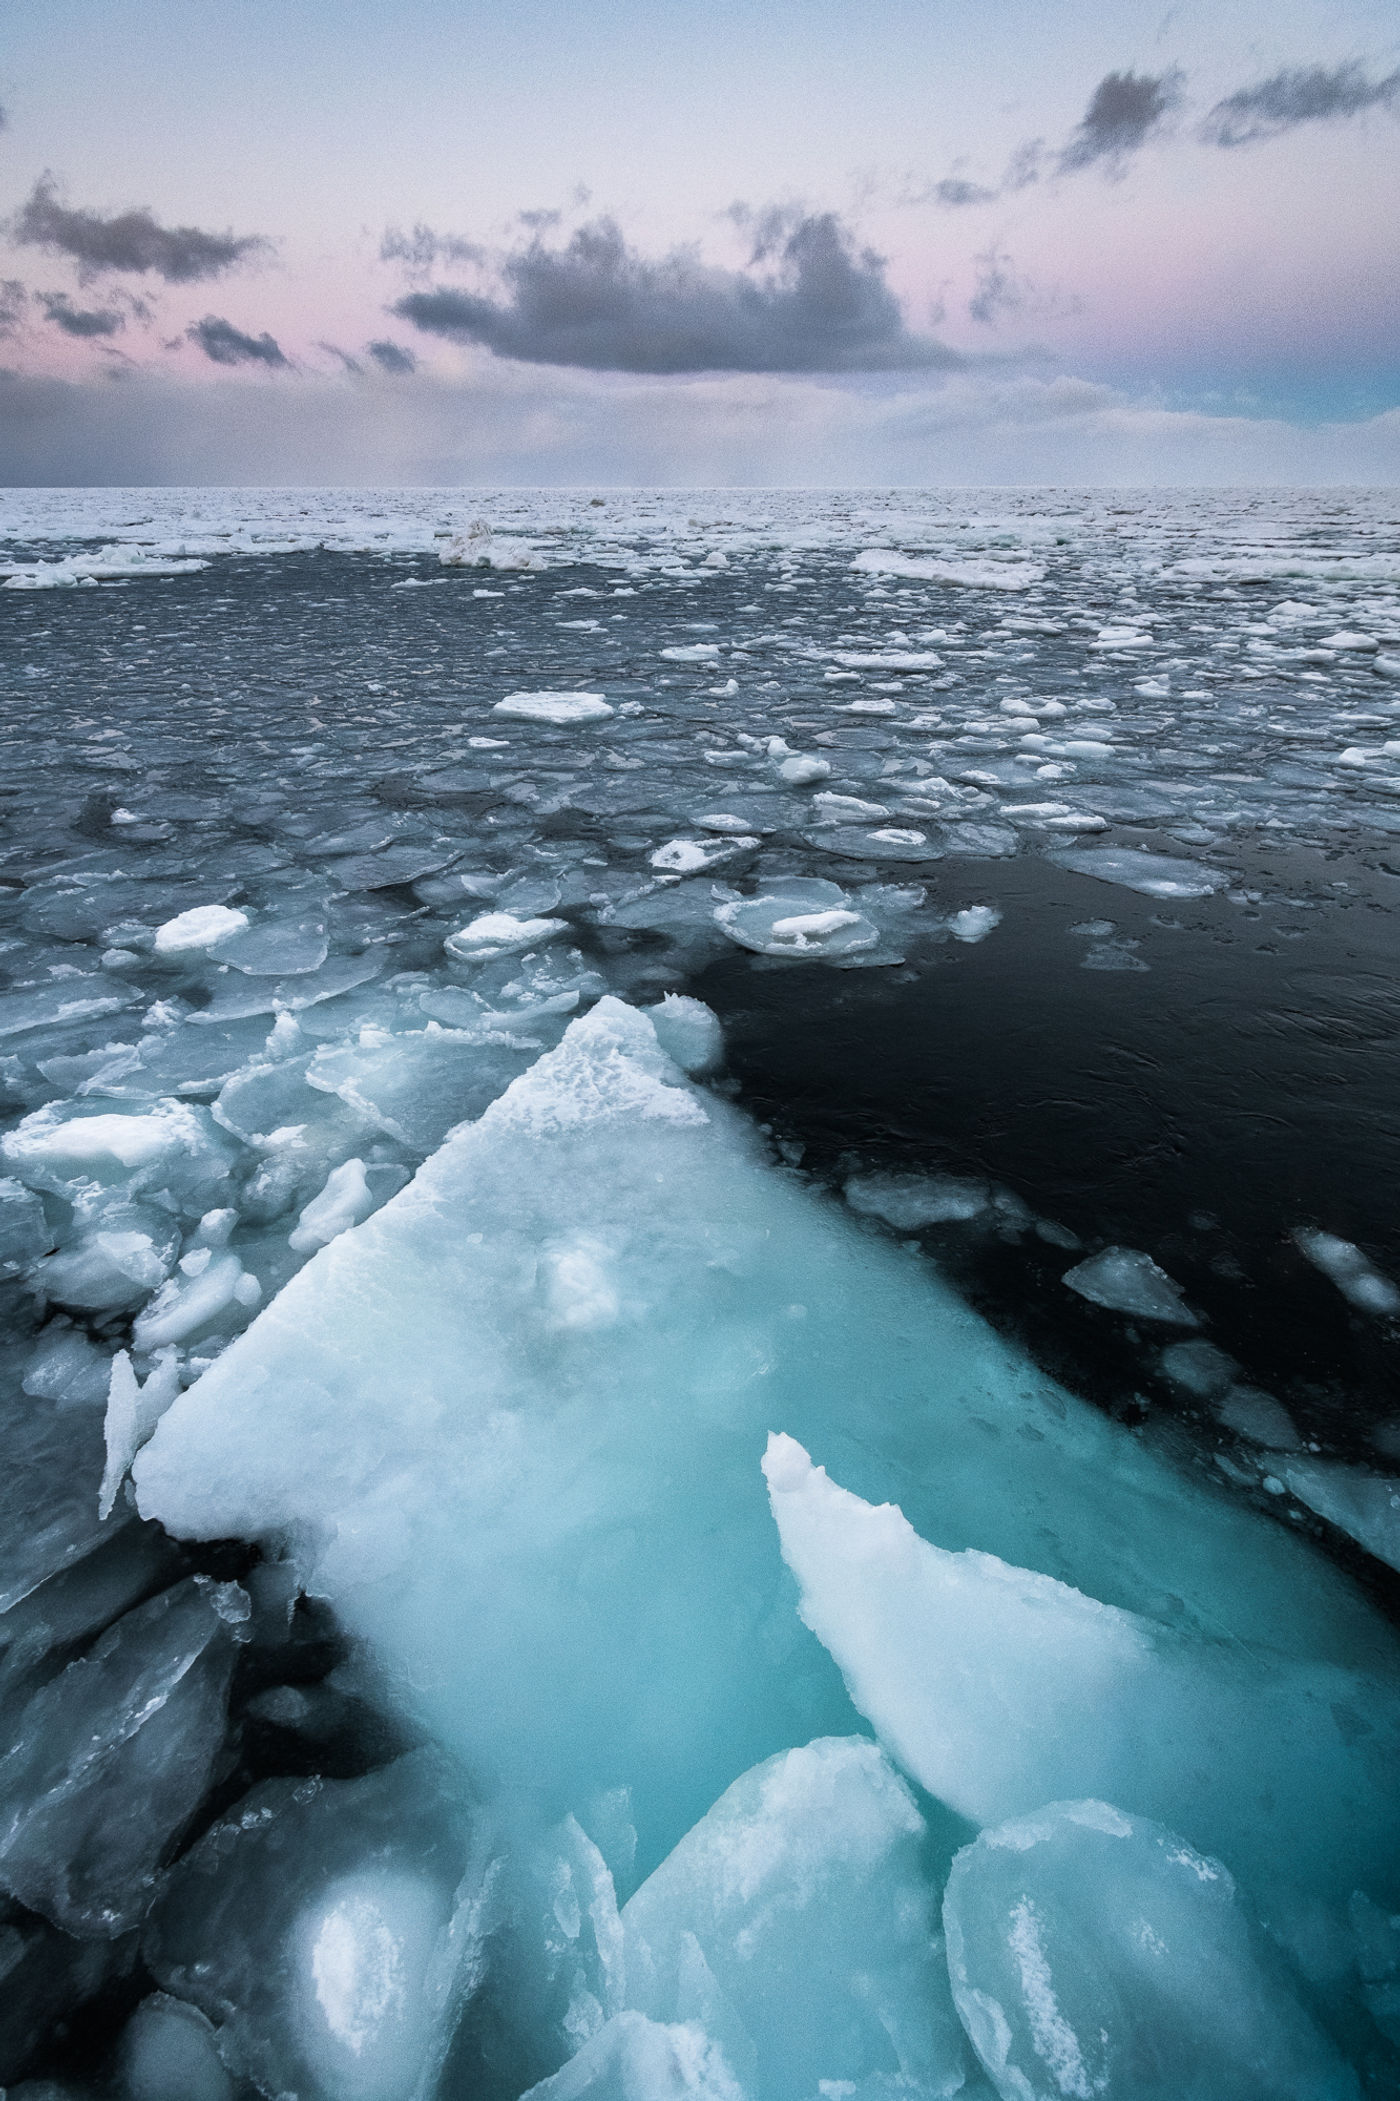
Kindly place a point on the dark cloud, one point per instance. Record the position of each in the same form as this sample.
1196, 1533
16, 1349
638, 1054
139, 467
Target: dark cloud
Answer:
392, 357
13, 301
85, 322
1302, 95
1124, 110
227, 345
132, 240
822, 305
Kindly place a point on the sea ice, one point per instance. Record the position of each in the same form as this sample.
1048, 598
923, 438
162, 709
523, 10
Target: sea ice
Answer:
909, 1202
198, 929
560, 709
974, 922
493, 934
344, 1201
1355, 1276
1125, 1280
1097, 1954
1366, 1506
509, 1426
1154, 875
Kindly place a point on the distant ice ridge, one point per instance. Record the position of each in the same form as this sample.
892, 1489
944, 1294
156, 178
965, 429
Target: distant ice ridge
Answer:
511, 1426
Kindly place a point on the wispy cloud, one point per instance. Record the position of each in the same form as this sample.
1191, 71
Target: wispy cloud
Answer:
226, 345
127, 241
1299, 95
810, 301
422, 249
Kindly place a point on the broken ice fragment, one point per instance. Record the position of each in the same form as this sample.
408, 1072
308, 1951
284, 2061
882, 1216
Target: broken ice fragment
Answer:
1127, 1281
500, 934
133, 1410
191, 932
169, 2052
332, 1929
1365, 1506
974, 923
1357, 1278
1154, 875
1096, 1954
111, 1758
557, 708
796, 1924
908, 1202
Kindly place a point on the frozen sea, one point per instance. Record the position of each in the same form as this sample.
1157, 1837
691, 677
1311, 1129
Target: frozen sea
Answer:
510, 998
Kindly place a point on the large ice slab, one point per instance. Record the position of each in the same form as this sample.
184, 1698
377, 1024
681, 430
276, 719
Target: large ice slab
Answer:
1000, 1689
511, 1425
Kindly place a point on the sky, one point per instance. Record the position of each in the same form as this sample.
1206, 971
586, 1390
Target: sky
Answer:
699, 241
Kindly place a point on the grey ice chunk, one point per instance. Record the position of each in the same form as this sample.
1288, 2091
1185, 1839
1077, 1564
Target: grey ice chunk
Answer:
981, 842
118, 1255
889, 843
1258, 1416
1364, 1506
909, 1202
24, 1231
1097, 1954
694, 856
276, 948
634, 2059
1154, 875
110, 1760
71, 999
1198, 1368
169, 2052
48, 1491
803, 918
1357, 1278
332, 1930
818, 1959
415, 1087
559, 709
1127, 1281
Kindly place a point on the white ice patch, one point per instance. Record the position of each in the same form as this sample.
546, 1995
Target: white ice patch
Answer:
995, 575
501, 934
199, 928
1125, 1280
560, 709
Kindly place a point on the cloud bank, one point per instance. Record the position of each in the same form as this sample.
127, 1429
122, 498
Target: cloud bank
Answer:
820, 305
127, 241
